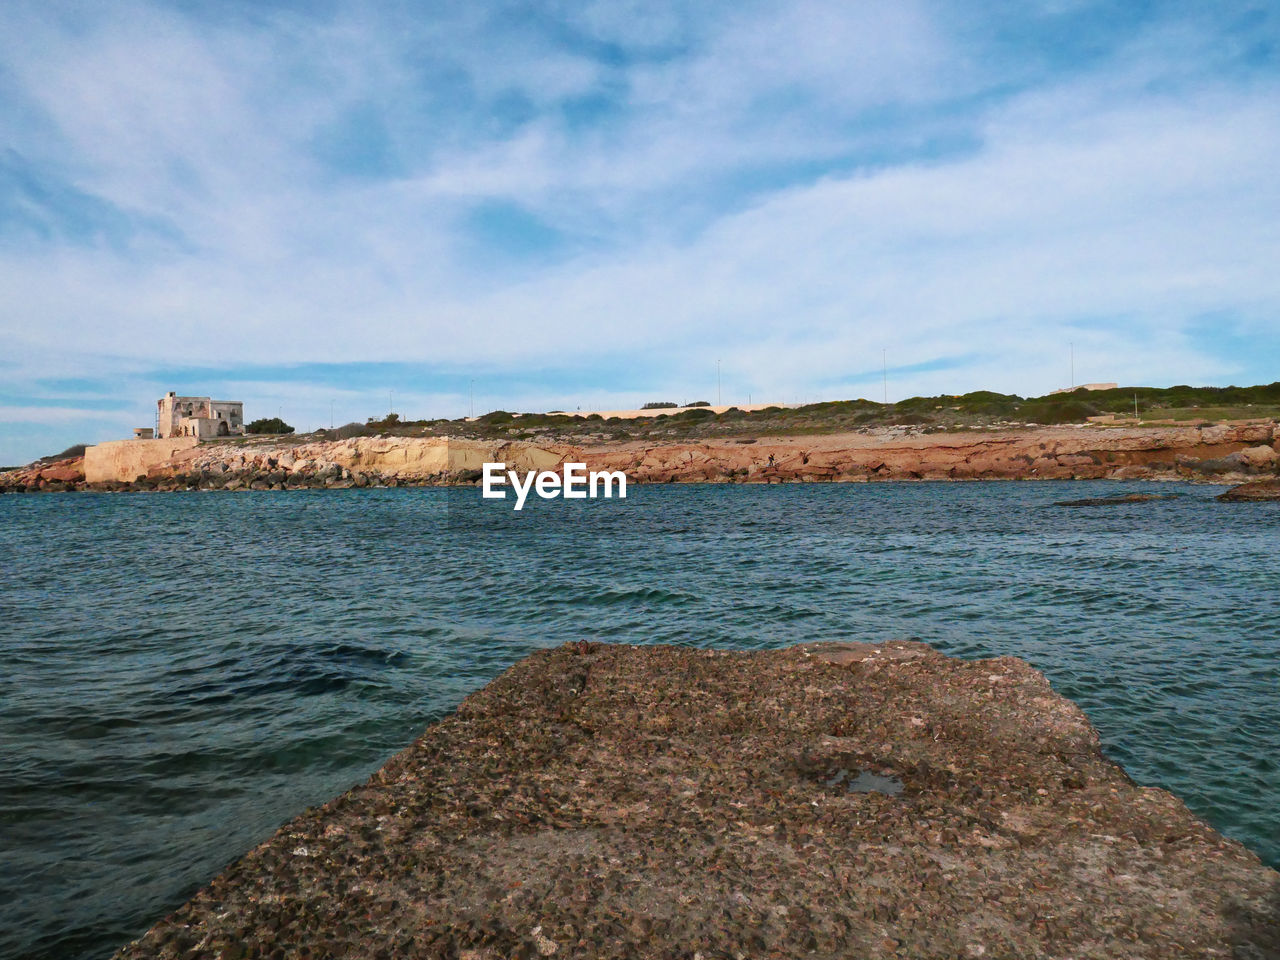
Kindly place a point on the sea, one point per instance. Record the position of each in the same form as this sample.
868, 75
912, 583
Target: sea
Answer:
181, 673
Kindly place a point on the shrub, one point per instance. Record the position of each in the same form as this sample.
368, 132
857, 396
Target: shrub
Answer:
348, 430
1059, 411
699, 403
659, 405
75, 450
269, 425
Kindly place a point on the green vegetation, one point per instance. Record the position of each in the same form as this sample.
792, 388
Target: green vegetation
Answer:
75, 450
660, 405
981, 409
269, 425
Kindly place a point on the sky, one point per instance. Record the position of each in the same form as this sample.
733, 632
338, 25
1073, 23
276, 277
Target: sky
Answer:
331, 210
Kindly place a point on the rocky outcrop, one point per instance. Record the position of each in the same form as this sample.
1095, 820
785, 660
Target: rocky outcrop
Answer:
127, 460
358, 462
1220, 453
836, 800
1115, 501
1215, 453
1256, 491
53, 477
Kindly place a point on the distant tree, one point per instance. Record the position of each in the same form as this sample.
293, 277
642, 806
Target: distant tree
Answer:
699, 403
659, 405
269, 425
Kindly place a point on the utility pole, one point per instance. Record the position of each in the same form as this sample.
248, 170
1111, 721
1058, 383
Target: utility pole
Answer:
1135, 406
717, 383
884, 371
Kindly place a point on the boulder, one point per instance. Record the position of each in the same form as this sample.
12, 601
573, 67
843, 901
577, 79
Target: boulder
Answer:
1259, 458
1257, 490
64, 471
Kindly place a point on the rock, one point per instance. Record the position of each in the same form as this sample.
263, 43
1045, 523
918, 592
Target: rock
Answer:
64, 472
1256, 490
1110, 501
850, 800
1166, 452
1259, 458
1216, 466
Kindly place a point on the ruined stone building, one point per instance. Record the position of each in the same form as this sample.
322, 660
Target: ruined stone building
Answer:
198, 417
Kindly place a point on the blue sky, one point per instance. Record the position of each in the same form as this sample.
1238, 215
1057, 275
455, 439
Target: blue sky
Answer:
325, 206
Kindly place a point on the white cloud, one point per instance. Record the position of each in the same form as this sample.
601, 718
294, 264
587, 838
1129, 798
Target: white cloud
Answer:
1113, 207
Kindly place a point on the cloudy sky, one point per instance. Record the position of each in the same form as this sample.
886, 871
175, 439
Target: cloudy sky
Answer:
345, 206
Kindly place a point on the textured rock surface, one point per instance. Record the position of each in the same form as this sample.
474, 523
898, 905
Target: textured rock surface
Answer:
1220, 453
606, 801
1195, 453
129, 459
1257, 490
65, 474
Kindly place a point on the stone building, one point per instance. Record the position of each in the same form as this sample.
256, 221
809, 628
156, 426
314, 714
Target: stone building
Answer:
198, 417
1085, 386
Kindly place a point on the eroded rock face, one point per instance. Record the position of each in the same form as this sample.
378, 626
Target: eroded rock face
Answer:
1222, 453
1218, 453
59, 475
612, 801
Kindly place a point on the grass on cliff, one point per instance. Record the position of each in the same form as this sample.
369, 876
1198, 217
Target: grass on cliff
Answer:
981, 409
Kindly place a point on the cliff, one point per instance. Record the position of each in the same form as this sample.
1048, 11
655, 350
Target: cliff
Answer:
824, 800
1223, 453
1210, 452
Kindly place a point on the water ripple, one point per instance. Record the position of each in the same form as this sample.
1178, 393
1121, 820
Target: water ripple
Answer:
183, 672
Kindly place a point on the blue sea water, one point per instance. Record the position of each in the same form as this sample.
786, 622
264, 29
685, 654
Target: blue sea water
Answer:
183, 672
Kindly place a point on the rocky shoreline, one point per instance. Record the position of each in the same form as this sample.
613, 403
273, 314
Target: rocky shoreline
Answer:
825, 800
1219, 453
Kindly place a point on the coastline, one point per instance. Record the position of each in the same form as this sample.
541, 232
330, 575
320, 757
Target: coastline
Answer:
610, 800
1231, 453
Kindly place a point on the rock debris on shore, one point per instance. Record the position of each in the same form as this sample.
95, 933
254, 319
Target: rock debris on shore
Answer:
831, 800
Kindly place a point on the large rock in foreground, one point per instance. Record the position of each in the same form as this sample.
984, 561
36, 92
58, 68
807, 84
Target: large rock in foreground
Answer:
608, 801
